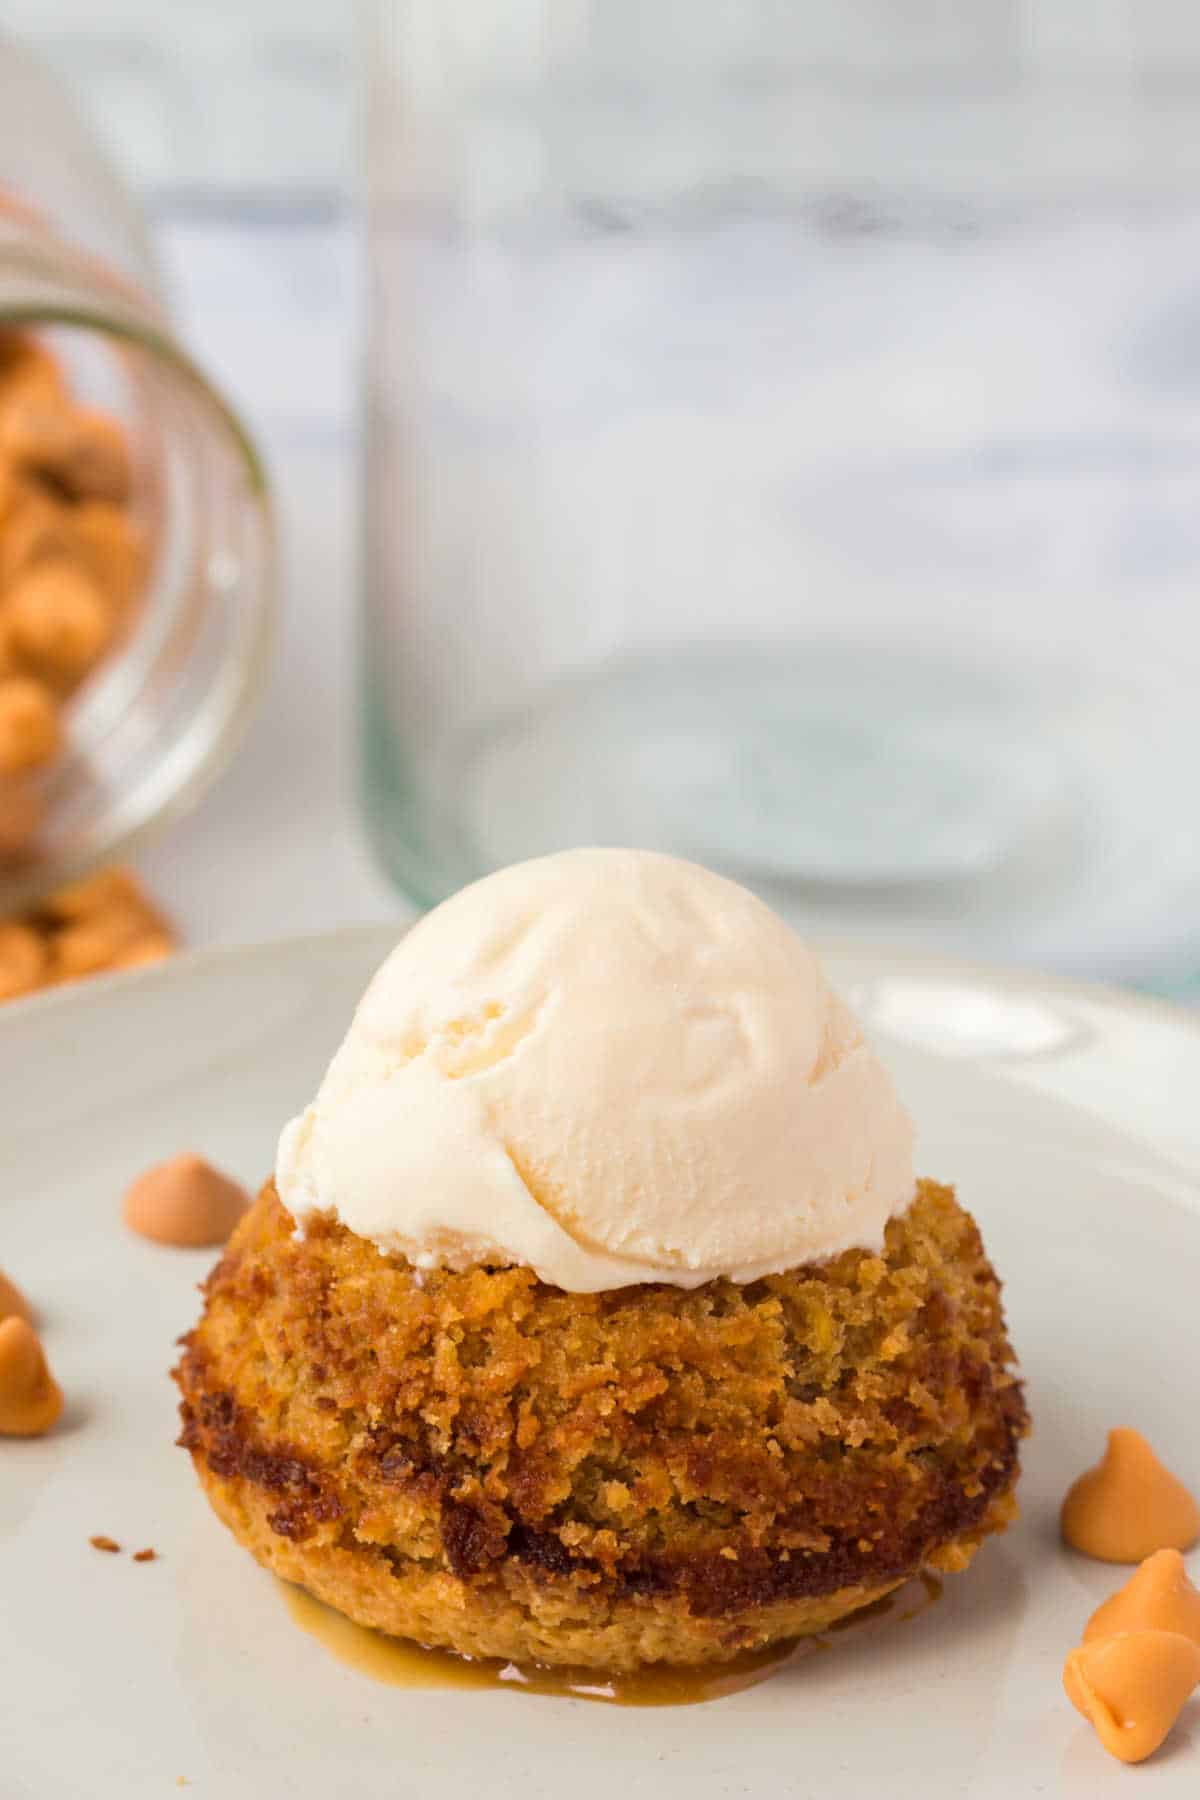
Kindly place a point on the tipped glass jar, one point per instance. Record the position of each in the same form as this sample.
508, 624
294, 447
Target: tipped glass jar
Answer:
780, 453
139, 730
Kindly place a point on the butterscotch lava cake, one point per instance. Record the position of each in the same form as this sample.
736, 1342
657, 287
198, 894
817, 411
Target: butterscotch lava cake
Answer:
593, 1315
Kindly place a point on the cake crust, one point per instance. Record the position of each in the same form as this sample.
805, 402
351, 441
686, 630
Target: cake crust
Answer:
485, 1463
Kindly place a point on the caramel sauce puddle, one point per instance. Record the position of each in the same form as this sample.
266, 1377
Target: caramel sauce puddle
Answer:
398, 1663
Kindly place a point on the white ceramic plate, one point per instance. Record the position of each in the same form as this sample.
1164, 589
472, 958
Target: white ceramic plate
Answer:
1070, 1121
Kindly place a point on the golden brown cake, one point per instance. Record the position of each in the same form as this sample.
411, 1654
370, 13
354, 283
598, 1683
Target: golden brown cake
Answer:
482, 1461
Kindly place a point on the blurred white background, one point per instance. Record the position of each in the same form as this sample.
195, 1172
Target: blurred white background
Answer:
212, 106
236, 124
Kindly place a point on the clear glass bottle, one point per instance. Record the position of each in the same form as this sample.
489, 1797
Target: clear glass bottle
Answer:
781, 453
164, 711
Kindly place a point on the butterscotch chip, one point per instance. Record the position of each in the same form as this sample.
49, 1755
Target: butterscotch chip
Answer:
83, 452
30, 375
24, 960
101, 1541
30, 1398
31, 386
30, 733
1132, 1688
101, 922
96, 942
22, 810
97, 535
35, 526
117, 935
1129, 1505
185, 1202
110, 548
1157, 1597
146, 1555
97, 463
57, 619
13, 1304
93, 894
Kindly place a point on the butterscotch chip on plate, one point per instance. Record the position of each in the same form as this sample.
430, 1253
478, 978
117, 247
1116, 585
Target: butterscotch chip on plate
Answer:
184, 1202
30, 1398
1158, 1596
1132, 1687
1129, 1504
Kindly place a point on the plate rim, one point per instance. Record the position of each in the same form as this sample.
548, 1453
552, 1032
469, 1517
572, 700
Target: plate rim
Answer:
277, 957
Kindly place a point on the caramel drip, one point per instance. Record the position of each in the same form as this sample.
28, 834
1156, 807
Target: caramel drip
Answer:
402, 1664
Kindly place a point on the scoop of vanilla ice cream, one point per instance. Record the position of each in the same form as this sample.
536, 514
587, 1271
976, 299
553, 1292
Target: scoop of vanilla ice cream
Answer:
612, 1067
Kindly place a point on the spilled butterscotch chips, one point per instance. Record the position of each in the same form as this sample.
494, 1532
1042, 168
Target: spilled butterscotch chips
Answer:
1140, 1655
30, 1398
90, 927
185, 1202
1139, 1659
1129, 1505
